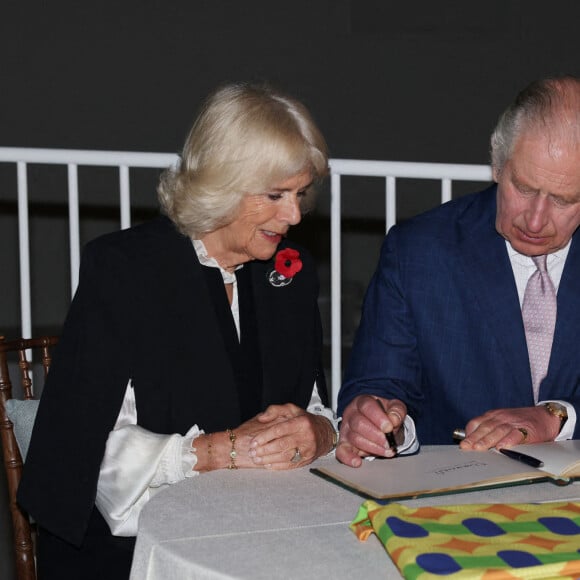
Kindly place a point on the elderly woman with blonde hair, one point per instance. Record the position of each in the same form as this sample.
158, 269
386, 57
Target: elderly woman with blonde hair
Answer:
193, 342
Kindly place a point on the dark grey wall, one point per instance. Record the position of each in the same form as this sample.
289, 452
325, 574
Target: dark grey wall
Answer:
412, 81
385, 79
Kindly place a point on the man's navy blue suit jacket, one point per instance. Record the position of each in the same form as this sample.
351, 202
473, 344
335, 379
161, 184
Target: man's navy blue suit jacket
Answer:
442, 326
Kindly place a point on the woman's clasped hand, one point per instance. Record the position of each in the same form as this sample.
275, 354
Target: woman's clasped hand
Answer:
290, 431
281, 437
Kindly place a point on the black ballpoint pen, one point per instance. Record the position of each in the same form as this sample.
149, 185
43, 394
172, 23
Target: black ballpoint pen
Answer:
527, 459
390, 436
459, 435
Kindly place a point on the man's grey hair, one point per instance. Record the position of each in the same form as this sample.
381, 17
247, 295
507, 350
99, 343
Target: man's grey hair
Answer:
550, 105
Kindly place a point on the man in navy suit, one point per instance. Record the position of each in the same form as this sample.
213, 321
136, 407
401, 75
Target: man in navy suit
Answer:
442, 343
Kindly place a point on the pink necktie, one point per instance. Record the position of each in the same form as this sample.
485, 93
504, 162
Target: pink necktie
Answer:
539, 315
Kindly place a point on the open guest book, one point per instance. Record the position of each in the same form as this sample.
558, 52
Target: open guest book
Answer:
444, 469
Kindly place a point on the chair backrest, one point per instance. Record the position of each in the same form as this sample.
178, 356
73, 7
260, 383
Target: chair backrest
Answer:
18, 350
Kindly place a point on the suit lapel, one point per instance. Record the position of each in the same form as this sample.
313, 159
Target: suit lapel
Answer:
197, 337
265, 307
489, 278
279, 317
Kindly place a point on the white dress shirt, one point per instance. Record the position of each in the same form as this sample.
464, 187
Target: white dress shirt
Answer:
138, 463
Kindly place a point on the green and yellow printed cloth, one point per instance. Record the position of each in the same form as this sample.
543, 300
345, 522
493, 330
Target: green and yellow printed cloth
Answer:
477, 541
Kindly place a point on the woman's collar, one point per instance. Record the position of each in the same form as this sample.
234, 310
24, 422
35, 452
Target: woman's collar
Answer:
205, 260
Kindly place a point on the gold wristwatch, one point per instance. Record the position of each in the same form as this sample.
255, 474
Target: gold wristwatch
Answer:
334, 440
558, 411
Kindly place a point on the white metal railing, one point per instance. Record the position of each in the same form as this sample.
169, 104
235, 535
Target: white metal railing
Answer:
72, 159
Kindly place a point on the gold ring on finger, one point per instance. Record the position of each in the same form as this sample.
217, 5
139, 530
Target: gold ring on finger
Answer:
524, 432
297, 456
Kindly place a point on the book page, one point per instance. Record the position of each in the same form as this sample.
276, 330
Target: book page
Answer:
434, 470
559, 457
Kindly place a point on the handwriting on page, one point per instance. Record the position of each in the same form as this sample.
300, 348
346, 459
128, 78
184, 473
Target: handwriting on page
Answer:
459, 467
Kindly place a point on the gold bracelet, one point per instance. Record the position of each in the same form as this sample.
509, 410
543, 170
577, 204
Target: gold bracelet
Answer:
233, 453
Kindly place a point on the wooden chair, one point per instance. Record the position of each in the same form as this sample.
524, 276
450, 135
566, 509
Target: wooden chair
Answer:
22, 529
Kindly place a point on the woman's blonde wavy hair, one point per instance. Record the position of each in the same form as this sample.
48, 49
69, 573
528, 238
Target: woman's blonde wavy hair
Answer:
246, 139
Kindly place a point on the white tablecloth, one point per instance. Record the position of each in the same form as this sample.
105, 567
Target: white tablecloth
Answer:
256, 524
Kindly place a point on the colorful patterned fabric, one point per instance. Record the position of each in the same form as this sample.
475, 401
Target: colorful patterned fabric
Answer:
482, 541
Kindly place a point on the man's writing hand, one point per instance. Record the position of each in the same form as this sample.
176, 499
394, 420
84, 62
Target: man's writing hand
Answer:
363, 428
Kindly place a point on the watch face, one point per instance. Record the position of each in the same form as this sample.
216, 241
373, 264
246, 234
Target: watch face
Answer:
557, 409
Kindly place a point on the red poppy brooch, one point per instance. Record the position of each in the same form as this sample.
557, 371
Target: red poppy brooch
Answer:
287, 264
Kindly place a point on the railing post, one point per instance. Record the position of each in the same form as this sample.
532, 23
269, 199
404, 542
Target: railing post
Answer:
390, 203
24, 248
335, 288
125, 197
73, 226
